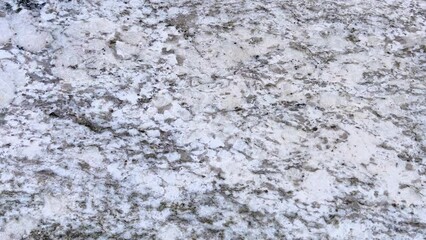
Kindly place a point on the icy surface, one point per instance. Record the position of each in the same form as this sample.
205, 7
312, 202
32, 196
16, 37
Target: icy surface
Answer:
212, 119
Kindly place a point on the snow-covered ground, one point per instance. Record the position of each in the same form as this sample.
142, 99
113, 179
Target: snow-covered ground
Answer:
202, 119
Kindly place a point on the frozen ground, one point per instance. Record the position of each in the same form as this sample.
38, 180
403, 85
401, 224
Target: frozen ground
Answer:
131, 119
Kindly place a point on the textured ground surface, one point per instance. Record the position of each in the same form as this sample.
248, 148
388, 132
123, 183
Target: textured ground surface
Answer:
212, 119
